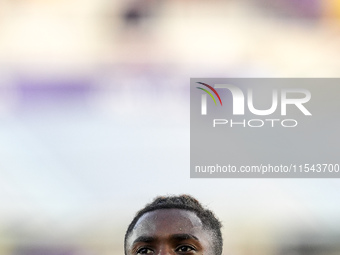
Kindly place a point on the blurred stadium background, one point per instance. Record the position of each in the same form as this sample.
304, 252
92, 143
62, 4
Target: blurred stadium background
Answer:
94, 119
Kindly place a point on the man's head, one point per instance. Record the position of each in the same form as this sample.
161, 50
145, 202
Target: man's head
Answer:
174, 225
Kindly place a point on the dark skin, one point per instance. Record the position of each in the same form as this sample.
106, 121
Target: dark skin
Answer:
170, 232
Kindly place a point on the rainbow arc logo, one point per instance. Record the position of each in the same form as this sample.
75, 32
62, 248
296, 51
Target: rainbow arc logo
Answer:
209, 93
204, 97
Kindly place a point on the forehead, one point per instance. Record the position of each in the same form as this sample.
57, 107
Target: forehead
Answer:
166, 221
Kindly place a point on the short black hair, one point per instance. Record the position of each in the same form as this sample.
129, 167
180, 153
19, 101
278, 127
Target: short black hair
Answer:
185, 202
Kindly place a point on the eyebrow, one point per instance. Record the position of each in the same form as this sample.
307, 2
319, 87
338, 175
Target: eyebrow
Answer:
144, 239
181, 237
177, 237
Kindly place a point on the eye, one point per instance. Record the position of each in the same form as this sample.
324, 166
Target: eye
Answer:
144, 251
185, 248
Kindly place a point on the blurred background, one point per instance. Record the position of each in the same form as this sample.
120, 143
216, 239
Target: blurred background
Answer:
94, 119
